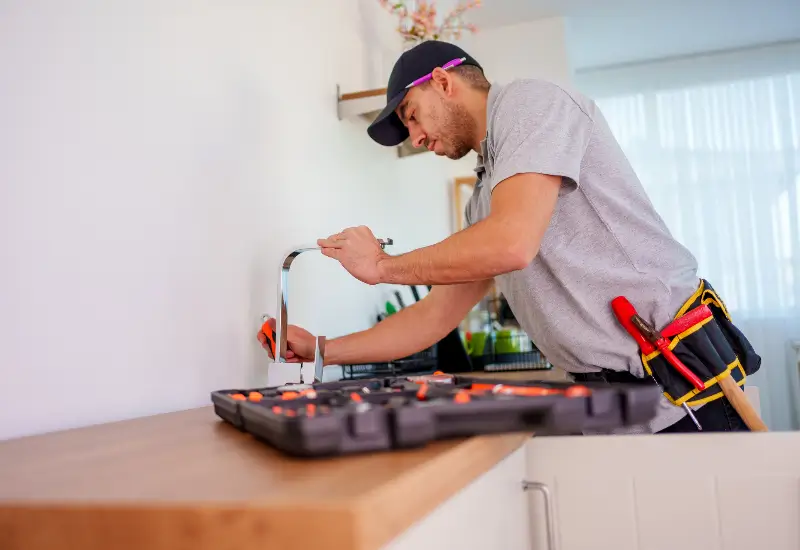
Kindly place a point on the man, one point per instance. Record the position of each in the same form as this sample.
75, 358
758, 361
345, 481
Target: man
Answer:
558, 218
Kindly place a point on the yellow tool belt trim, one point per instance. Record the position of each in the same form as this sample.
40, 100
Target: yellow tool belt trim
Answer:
705, 296
701, 296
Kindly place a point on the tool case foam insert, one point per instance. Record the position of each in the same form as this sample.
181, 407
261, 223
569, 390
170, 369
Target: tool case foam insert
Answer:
379, 414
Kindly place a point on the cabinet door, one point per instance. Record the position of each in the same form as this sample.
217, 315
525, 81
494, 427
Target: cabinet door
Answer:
652, 492
491, 512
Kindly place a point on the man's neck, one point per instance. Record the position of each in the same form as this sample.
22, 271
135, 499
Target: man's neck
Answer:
477, 109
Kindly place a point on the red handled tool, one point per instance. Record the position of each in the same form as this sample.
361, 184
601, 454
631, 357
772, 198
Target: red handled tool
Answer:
624, 311
650, 339
662, 344
267, 331
733, 393
628, 318
687, 321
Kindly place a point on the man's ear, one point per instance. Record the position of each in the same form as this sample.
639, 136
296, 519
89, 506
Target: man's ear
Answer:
442, 82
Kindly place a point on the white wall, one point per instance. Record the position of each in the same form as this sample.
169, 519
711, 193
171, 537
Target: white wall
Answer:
529, 49
156, 160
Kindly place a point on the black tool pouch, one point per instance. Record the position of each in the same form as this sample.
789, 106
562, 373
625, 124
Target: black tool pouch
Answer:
713, 349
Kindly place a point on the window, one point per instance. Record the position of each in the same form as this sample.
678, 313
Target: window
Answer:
715, 140
721, 163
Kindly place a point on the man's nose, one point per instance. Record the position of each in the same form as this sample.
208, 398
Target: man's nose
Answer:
417, 138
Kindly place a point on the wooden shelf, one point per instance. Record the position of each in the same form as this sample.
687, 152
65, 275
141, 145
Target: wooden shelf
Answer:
368, 104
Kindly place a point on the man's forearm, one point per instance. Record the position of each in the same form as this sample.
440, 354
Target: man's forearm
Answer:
410, 330
480, 252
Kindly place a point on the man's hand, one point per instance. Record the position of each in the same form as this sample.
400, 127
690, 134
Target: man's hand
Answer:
358, 251
408, 331
506, 240
300, 343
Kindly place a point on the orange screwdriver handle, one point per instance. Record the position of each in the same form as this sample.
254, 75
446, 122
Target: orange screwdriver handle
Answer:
267, 331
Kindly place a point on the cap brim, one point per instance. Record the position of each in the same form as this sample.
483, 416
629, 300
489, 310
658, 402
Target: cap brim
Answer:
387, 128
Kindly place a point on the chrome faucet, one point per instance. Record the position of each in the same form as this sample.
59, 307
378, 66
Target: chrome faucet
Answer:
281, 324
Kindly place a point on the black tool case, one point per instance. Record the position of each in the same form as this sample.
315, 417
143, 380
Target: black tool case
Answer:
352, 416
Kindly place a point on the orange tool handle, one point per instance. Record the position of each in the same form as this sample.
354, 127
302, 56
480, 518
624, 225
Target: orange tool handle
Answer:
476, 387
527, 391
267, 331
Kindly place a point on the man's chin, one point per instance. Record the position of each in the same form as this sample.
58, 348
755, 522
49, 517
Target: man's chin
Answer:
456, 155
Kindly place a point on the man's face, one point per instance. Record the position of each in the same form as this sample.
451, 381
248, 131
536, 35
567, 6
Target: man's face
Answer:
439, 123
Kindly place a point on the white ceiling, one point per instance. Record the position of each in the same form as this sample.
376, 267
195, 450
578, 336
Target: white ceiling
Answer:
610, 32
495, 13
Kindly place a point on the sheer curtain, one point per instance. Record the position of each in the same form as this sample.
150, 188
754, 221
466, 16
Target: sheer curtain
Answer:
721, 162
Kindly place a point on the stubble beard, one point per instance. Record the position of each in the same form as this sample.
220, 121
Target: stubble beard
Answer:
459, 126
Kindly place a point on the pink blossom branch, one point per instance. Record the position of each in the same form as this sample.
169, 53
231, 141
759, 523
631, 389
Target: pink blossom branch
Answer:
420, 24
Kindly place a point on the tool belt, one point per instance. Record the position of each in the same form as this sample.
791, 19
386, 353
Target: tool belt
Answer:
709, 345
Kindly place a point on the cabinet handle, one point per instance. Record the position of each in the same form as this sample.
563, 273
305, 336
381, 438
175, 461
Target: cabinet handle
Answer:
548, 509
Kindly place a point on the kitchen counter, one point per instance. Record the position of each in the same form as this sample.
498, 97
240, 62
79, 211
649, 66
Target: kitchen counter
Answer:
189, 480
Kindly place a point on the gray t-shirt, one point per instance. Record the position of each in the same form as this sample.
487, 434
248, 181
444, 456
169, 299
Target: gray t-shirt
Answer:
604, 240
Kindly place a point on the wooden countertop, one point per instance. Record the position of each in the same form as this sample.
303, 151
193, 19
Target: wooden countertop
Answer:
189, 480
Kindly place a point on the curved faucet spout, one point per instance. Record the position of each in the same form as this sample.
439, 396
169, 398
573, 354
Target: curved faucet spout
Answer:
281, 321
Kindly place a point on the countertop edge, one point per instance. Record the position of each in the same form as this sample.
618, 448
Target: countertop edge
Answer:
365, 523
169, 526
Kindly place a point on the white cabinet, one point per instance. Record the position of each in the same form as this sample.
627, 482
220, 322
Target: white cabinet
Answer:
736, 491
492, 512
687, 491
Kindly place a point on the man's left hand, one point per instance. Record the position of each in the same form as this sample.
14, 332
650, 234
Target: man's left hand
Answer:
359, 252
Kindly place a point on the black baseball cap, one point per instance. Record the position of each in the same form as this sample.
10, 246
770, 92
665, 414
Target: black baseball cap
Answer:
387, 129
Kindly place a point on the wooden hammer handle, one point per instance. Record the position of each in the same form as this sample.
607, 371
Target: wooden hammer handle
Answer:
742, 404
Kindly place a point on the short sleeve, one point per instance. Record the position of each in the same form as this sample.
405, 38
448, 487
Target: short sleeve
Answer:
538, 127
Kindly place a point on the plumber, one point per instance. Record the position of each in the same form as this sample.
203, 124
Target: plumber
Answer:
558, 219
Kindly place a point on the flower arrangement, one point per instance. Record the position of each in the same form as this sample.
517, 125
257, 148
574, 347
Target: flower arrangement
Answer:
417, 22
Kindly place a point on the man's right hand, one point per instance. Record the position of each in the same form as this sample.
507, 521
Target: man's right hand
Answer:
410, 330
300, 343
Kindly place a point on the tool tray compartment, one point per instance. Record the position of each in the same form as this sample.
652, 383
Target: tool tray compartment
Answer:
227, 402
353, 416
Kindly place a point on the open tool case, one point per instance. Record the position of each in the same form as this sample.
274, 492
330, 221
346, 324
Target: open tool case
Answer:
343, 417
